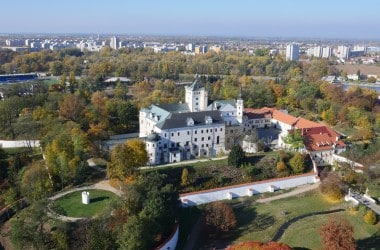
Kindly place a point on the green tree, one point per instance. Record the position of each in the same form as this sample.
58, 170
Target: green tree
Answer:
236, 156
28, 228
134, 235
294, 139
297, 163
126, 158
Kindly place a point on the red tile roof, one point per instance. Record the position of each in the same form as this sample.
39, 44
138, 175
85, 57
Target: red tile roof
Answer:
321, 138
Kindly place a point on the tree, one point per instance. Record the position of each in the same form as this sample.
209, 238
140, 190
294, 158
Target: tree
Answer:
72, 107
297, 163
134, 235
220, 217
281, 166
338, 234
332, 186
370, 217
185, 177
126, 158
35, 183
294, 139
28, 228
236, 156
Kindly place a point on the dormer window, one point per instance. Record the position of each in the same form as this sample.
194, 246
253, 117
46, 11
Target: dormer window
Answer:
189, 122
208, 120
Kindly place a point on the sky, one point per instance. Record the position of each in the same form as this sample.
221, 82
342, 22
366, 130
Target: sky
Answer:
344, 19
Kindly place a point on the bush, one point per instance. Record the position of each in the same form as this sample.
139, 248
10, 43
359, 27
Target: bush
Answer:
236, 156
370, 217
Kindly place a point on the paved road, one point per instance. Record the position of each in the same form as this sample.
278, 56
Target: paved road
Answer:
366, 202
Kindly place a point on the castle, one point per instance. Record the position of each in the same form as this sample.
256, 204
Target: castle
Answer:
197, 128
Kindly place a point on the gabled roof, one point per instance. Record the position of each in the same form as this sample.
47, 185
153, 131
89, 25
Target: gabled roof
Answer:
303, 123
258, 113
223, 105
179, 120
284, 117
321, 138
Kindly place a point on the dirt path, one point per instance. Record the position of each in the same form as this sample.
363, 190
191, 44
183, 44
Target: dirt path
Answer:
298, 190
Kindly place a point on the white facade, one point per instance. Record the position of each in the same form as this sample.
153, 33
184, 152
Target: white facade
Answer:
114, 43
196, 97
292, 52
326, 52
343, 52
248, 189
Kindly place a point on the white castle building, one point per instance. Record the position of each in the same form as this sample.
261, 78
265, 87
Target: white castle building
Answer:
183, 131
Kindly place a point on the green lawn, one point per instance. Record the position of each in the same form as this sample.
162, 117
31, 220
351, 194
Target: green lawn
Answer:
71, 204
259, 222
305, 233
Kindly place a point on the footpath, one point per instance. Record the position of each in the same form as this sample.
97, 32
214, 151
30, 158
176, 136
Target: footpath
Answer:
103, 185
194, 235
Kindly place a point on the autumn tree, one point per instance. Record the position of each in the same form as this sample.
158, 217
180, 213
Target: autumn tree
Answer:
35, 183
332, 186
338, 234
281, 166
72, 107
126, 158
370, 217
236, 156
220, 217
185, 177
297, 163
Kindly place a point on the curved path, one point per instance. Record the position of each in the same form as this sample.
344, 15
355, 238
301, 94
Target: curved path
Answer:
103, 185
285, 226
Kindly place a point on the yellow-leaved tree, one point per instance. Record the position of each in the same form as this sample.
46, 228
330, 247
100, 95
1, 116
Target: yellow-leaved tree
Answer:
126, 158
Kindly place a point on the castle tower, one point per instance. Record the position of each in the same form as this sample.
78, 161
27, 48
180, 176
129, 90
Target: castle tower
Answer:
239, 108
196, 96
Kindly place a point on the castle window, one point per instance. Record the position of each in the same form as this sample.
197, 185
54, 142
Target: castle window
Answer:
203, 138
172, 134
178, 133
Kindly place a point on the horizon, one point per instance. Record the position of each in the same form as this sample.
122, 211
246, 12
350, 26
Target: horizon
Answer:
324, 20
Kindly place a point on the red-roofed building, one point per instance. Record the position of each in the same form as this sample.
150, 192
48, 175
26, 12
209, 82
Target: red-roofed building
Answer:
320, 140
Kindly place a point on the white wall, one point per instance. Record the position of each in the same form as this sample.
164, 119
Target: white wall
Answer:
172, 243
197, 198
19, 144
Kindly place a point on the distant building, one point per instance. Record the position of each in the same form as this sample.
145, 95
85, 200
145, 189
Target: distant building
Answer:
343, 52
326, 52
317, 51
292, 52
201, 49
114, 43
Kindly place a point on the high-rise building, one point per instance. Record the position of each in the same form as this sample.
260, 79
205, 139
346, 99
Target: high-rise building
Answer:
114, 44
326, 52
317, 51
292, 52
343, 52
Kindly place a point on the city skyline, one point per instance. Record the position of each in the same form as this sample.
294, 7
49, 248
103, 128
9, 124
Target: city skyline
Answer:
325, 19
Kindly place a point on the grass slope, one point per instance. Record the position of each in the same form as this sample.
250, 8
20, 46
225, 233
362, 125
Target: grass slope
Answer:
71, 204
